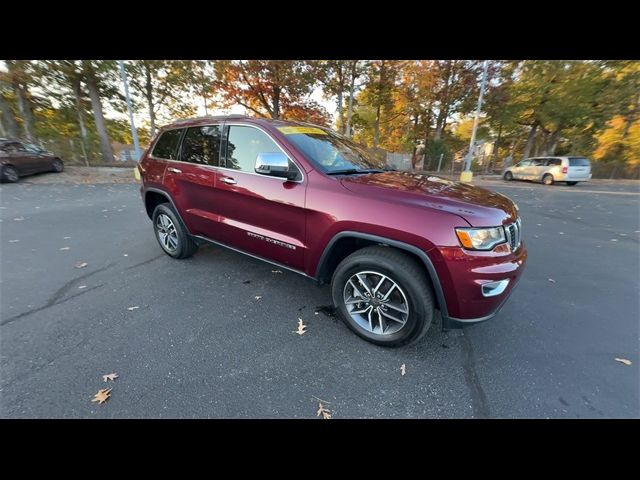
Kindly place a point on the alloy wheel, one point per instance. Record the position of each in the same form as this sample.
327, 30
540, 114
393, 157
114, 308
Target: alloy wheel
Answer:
376, 302
167, 233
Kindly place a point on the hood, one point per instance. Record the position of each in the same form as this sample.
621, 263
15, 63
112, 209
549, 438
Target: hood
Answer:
478, 206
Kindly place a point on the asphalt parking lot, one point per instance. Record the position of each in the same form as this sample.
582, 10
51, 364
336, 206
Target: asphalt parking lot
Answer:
213, 336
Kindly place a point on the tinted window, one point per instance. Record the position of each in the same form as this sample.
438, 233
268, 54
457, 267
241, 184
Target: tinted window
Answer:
539, 162
578, 162
167, 145
245, 143
524, 163
202, 145
13, 147
554, 161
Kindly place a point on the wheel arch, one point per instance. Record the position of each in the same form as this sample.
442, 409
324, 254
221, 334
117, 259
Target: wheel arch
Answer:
154, 197
347, 242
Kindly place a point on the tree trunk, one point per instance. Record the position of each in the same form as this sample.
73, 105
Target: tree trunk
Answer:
530, 140
552, 142
376, 130
96, 105
149, 96
25, 110
8, 120
494, 153
340, 113
352, 86
75, 85
276, 103
443, 113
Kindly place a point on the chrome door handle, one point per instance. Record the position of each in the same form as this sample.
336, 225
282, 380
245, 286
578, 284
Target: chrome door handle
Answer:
174, 170
228, 180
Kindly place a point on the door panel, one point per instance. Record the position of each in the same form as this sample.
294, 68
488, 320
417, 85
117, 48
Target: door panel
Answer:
192, 179
259, 214
262, 215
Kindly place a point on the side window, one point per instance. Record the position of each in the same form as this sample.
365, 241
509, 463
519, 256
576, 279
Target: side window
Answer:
167, 145
554, 161
202, 145
14, 147
524, 163
539, 162
244, 145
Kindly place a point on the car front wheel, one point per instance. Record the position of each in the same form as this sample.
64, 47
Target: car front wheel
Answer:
384, 296
9, 174
171, 233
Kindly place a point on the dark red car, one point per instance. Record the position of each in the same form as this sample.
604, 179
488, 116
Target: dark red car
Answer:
18, 159
395, 246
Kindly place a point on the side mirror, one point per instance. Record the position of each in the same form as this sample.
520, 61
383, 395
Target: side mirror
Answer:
274, 165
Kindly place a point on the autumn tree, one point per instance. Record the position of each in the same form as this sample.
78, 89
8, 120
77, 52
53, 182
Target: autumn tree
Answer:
268, 88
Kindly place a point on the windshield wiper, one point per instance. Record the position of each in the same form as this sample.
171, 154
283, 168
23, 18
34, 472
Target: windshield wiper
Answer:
353, 171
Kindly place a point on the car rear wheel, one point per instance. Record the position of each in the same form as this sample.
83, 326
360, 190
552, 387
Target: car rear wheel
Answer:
508, 176
57, 165
9, 174
571, 184
384, 296
547, 179
171, 233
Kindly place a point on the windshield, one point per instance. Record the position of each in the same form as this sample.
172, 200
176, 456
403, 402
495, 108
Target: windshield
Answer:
332, 153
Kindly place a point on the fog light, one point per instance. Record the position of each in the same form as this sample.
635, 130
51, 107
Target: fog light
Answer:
491, 289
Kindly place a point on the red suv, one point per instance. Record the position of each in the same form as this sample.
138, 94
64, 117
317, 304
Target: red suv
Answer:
395, 246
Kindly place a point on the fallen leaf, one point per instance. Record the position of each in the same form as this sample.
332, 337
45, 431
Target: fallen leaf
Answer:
403, 369
102, 395
552, 280
126, 254
561, 233
623, 360
133, 308
326, 414
614, 239
19, 219
65, 248
111, 376
276, 271
81, 287
258, 297
81, 264
622, 234
66, 238
302, 328
14, 241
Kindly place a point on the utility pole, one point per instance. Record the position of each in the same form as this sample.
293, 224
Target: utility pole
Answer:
134, 132
466, 174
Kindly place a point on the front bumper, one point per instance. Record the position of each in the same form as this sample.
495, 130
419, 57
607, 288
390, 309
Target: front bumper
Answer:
462, 274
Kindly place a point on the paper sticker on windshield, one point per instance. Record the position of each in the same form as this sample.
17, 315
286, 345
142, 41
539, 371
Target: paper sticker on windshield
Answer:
292, 130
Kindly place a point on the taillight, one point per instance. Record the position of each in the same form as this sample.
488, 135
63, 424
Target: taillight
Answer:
565, 169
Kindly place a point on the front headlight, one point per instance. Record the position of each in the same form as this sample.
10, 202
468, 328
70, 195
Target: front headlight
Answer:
481, 238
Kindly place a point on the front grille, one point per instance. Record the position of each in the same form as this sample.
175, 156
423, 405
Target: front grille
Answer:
514, 233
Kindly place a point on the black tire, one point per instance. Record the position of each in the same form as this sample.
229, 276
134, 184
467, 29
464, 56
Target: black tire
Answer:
547, 179
9, 174
508, 176
185, 246
57, 165
571, 184
408, 274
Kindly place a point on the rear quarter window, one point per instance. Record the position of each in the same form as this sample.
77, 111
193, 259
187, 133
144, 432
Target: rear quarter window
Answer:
579, 162
554, 161
167, 145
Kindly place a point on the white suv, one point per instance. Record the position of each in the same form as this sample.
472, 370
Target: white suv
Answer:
551, 169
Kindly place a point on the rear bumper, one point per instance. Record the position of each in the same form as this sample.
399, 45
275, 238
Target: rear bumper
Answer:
462, 275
